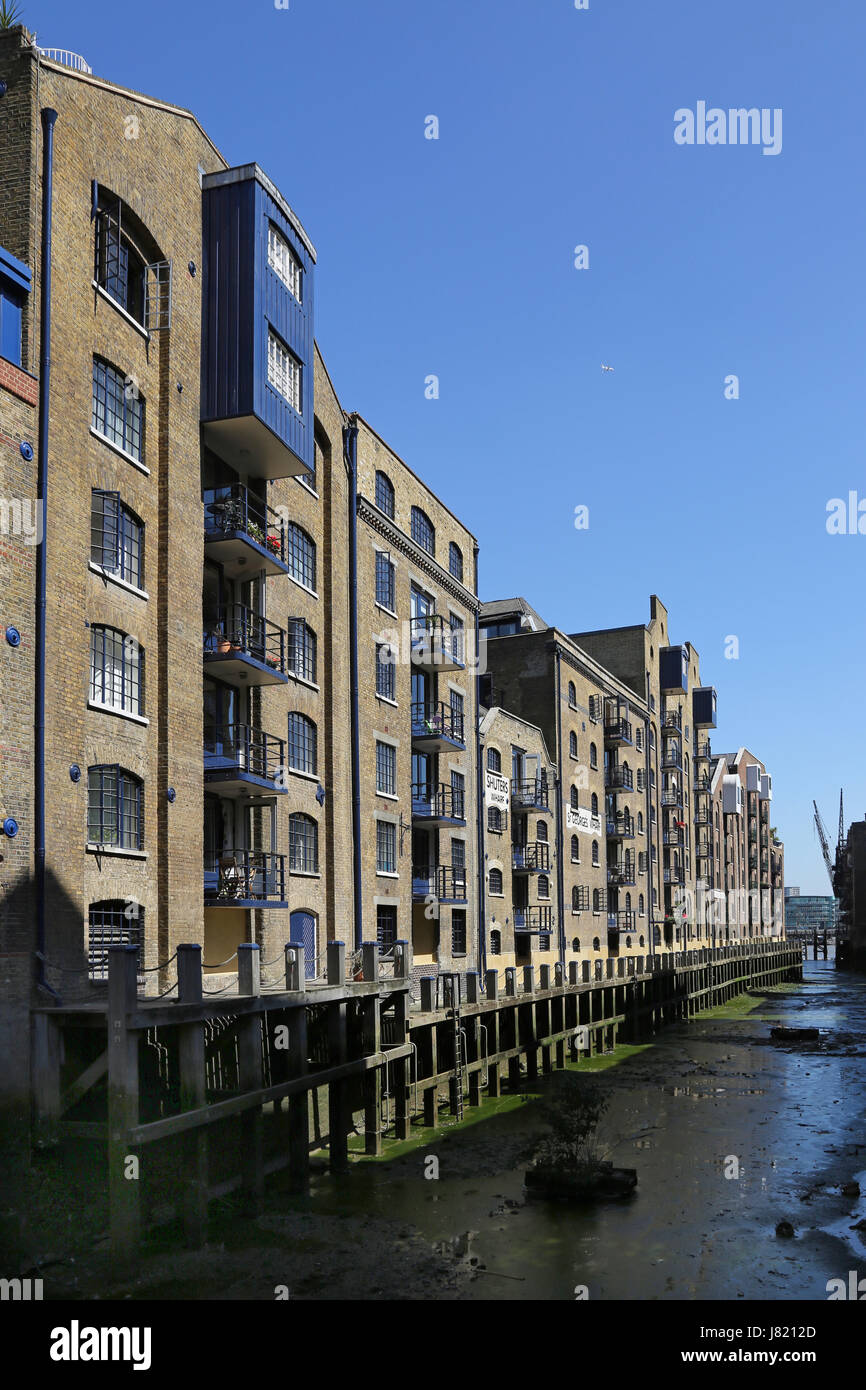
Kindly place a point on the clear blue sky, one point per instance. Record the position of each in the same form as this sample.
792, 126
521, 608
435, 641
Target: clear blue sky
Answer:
455, 257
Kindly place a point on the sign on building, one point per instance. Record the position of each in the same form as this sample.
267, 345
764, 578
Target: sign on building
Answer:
578, 818
497, 790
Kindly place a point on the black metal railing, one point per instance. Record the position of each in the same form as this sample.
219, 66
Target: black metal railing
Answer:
533, 920
438, 720
621, 920
238, 875
235, 511
618, 778
676, 875
618, 731
672, 720
672, 756
530, 795
621, 875
446, 882
239, 631
433, 641
703, 750
438, 802
674, 837
242, 749
620, 827
672, 796
531, 858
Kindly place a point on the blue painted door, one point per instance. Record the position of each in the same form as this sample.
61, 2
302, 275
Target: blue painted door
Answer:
302, 932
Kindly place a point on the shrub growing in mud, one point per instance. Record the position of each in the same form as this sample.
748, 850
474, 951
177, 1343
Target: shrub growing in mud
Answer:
572, 1109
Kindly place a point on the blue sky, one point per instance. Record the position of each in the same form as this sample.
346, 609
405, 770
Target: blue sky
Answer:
454, 257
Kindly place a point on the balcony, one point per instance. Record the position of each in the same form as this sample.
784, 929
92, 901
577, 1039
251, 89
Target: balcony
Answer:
674, 837
618, 778
243, 646
671, 756
621, 876
618, 732
240, 759
702, 782
434, 646
702, 815
533, 921
672, 796
533, 858
672, 723
623, 920
437, 727
244, 878
242, 533
703, 750
443, 882
530, 795
620, 827
438, 805
676, 875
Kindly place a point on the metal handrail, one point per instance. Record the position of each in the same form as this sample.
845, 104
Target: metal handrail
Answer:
242, 747
437, 719
245, 874
233, 510
240, 629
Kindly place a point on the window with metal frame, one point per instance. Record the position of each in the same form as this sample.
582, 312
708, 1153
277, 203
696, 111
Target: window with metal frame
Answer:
455, 561
595, 851
596, 905
115, 807
543, 886
113, 922
385, 586
385, 494
284, 262
457, 634
386, 768
572, 695
593, 755
458, 931
386, 928
458, 795
301, 555
302, 743
301, 650
386, 672
573, 798
572, 744
593, 804
303, 844
386, 847
284, 372
495, 942
496, 882
455, 701
118, 409
423, 531
494, 819
116, 670
575, 850
494, 760
116, 538
119, 267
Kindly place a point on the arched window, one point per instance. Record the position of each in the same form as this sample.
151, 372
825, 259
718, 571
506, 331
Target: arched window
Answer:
575, 943
494, 819
596, 944
593, 755
572, 744
303, 844
304, 931
641, 942
596, 901
113, 922
574, 798
495, 942
123, 249
301, 650
543, 886
595, 851
385, 494
594, 804
541, 831
628, 902
455, 561
115, 807
640, 909
303, 743
640, 822
494, 760
422, 531
116, 671
572, 695
301, 555
628, 943
118, 410
116, 538
496, 882
575, 850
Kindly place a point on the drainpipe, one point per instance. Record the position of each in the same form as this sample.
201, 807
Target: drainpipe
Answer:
49, 116
350, 452
649, 833
560, 879
479, 783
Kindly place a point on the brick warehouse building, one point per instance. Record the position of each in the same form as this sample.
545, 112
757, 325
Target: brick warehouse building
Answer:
259, 634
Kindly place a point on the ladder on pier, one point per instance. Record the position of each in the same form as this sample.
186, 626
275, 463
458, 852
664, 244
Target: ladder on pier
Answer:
459, 1065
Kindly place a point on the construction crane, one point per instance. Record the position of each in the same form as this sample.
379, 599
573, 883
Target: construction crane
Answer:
825, 847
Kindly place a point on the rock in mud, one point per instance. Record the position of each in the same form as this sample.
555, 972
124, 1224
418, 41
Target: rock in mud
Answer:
785, 1231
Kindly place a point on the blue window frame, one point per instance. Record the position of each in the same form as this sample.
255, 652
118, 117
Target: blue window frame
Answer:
11, 317
301, 556
118, 409
385, 494
116, 670
386, 673
422, 530
303, 743
385, 586
115, 807
116, 538
455, 561
114, 922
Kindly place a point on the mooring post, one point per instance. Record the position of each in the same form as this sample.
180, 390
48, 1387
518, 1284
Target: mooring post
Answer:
371, 1041
430, 1097
250, 1076
296, 971
511, 981
491, 1023
191, 1058
45, 1079
402, 971
123, 1165
473, 1036
338, 1116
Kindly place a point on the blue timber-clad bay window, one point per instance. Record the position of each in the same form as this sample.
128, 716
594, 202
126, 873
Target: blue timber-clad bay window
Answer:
118, 409
113, 922
257, 326
15, 283
115, 808
116, 671
116, 538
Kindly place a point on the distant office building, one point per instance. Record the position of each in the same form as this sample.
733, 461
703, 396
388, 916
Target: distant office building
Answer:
809, 913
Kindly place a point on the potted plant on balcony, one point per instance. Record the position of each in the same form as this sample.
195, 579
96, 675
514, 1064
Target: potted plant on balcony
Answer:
255, 530
275, 545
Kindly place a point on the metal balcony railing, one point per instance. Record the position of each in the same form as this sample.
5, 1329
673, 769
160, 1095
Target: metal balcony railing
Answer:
622, 920
618, 778
703, 749
621, 875
531, 795
672, 721
438, 802
240, 748
672, 796
618, 731
531, 858
235, 511
674, 837
233, 876
702, 782
445, 882
434, 642
620, 827
676, 875
533, 920
438, 720
239, 631
671, 756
